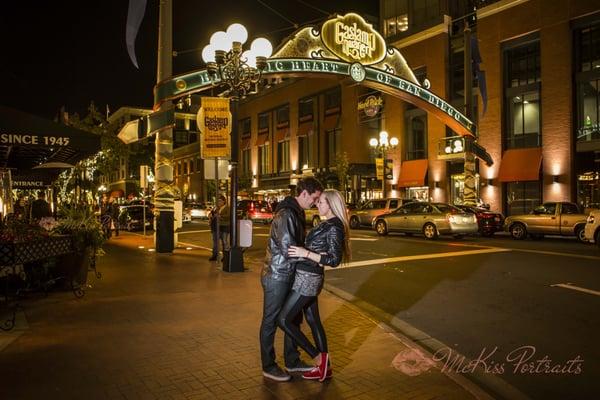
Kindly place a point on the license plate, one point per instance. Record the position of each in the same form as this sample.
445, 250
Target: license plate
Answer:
464, 220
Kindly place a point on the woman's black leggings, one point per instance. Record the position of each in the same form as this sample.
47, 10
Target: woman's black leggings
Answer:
295, 304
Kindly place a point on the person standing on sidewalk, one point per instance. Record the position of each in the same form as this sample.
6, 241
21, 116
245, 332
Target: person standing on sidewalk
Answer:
224, 222
214, 232
326, 244
287, 229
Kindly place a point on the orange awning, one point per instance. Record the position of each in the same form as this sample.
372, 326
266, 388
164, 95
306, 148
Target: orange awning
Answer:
262, 139
305, 128
331, 122
413, 173
520, 165
281, 134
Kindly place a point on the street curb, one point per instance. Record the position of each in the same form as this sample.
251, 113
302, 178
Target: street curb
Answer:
480, 384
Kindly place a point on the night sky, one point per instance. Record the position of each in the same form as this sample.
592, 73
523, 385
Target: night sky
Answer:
68, 53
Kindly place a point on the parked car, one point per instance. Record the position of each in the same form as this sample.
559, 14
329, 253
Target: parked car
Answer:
431, 219
255, 210
551, 218
592, 228
363, 215
131, 217
489, 222
198, 210
313, 218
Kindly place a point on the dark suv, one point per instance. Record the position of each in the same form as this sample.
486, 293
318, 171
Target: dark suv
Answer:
255, 210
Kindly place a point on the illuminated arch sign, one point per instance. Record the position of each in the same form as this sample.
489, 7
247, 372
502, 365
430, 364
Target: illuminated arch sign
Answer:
344, 46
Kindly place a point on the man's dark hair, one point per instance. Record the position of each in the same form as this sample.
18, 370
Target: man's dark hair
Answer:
310, 184
41, 194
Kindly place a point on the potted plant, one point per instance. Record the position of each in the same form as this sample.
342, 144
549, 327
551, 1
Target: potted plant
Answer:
81, 224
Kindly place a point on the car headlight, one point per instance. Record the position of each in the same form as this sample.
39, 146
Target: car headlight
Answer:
474, 218
590, 219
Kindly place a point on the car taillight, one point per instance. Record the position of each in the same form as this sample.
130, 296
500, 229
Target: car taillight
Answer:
449, 217
590, 219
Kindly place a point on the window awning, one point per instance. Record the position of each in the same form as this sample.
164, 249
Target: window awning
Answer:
521, 165
262, 139
245, 144
305, 128
412, 173
281, 134
27, 141
331, 122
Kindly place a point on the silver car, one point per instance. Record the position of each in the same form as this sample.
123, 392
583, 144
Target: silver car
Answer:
364, 214
430, 219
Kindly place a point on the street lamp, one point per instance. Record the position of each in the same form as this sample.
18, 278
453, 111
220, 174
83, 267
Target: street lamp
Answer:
239, 73
383, 145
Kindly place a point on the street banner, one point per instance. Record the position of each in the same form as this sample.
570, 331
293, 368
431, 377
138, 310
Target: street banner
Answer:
389, 169
214, 122
379, 168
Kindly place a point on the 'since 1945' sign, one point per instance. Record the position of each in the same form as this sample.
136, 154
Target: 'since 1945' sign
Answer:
33, 140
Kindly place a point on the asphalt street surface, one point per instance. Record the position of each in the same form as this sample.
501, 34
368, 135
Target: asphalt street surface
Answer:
525, 312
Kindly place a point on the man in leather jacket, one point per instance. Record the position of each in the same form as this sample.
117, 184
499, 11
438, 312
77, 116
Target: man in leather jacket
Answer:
287, 229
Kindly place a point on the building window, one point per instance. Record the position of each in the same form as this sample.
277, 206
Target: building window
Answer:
522, 96
185, 167
522, 197
263, 122
303, 151
283, 116
395, 17
263, 157
395, 25
245, 127
416, 134
283, 156
334, 145
306, 109
178, 168
588, 48
333, 99
246, 161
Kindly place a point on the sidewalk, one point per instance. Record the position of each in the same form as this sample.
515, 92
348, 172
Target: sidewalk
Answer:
174, 326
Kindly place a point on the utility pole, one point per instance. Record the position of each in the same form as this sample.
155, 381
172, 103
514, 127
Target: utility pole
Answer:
164, 194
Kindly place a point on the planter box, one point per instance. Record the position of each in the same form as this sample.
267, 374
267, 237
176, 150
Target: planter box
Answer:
20, 253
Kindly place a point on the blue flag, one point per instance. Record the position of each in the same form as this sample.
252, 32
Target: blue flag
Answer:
476, 61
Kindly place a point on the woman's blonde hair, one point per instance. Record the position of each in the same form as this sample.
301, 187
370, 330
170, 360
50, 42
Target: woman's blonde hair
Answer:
338, 207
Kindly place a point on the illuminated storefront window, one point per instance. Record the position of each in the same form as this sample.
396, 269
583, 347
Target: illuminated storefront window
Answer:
522, 197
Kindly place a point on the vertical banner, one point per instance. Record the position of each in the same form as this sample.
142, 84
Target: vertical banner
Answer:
214, 122
389, 168
379, 168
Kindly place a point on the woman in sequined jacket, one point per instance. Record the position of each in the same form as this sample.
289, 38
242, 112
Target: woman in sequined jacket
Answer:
325, 245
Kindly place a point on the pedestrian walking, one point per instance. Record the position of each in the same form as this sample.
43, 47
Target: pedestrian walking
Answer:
326, 244
213, 221
224, 223
287, 229
114, 215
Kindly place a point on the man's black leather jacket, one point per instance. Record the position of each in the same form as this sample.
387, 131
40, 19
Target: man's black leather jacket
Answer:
326, 239
287, 229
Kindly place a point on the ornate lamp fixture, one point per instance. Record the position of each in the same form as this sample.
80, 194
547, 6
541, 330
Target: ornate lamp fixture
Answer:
239, 72
383, 145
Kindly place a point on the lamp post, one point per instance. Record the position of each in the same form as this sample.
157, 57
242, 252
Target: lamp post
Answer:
238, 72
383, 145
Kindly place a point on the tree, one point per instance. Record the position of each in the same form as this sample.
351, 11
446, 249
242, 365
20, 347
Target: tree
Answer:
342, 169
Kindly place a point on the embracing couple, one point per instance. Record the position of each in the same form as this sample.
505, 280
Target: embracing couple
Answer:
292, 278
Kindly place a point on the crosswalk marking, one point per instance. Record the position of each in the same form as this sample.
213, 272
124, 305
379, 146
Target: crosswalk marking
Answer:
577, 288
421, 257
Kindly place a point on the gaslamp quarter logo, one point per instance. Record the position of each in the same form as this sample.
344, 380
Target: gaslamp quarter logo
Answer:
352, 39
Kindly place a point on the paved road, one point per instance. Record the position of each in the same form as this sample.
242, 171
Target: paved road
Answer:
521, 307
